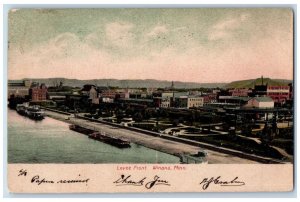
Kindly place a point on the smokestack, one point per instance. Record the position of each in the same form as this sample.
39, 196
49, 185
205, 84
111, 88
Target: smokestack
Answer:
262, 80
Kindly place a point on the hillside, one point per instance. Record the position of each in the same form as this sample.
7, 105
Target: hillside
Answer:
148, 83
252, 82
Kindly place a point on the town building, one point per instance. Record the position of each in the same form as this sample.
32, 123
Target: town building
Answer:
107, 100
86, 89
138, 103
279, 94
77, 102
123, 95
91, 92
109, 94
195, 102
188, 102
240, 92
260, 90
167, 97
181, 102
18, 88
38, 92
210, 98
165, 102
237, 101
260, 102
291, 91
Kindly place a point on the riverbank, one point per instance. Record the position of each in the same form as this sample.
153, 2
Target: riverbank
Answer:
157, 143
51, 141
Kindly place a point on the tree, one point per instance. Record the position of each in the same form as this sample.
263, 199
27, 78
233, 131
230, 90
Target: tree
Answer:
138, 117
119, 114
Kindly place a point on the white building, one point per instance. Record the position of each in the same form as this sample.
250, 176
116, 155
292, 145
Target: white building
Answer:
107, 100
189, 102
260, 102
195, 102
165, 102
18, 88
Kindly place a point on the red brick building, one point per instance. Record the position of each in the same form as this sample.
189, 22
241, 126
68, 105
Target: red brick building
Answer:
109, 94
210, 98
38, 92
240, 92
279, 94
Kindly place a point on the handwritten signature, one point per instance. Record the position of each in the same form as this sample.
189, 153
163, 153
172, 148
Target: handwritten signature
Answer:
217, 181
127, 180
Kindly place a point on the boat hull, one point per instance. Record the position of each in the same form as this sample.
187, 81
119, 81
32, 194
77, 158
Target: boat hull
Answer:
100, 137
111, 141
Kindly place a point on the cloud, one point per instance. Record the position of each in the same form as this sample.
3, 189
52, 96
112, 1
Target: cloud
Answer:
120, 34
112, 50
62, 56
225, 28
67, 56
158, 31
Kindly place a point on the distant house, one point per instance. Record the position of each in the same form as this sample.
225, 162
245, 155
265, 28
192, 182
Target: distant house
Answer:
107, 100
86, 89
109, 94
91, 92
237, 101
138, 103
18, 88
260, 102
188, 102
195, 102
165, 102
38, 92
210, 98
240, 92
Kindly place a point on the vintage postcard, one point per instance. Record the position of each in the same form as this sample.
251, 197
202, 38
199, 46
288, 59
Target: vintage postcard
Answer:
112, 100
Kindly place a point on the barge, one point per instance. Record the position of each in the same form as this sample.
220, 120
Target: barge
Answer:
102, 137
80, 129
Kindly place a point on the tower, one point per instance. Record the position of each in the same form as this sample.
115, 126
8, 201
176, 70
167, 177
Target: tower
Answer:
172, 85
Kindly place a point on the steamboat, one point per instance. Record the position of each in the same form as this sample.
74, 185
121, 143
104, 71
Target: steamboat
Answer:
33, 112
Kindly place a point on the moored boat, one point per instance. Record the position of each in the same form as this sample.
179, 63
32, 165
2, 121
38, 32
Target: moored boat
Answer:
102, 137
80, 129
34, 112
21, 108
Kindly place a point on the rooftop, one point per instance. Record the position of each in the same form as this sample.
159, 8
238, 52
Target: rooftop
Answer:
263, 99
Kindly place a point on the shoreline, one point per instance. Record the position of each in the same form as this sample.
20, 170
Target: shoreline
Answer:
152, 142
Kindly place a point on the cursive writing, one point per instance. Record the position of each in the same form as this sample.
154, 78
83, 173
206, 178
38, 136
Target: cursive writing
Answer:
217, 181
41, 180
127, 180
36, 179
156, 181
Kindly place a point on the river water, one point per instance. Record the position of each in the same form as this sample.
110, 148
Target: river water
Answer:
51, 141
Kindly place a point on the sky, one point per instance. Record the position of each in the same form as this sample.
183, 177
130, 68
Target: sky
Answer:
203, 45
